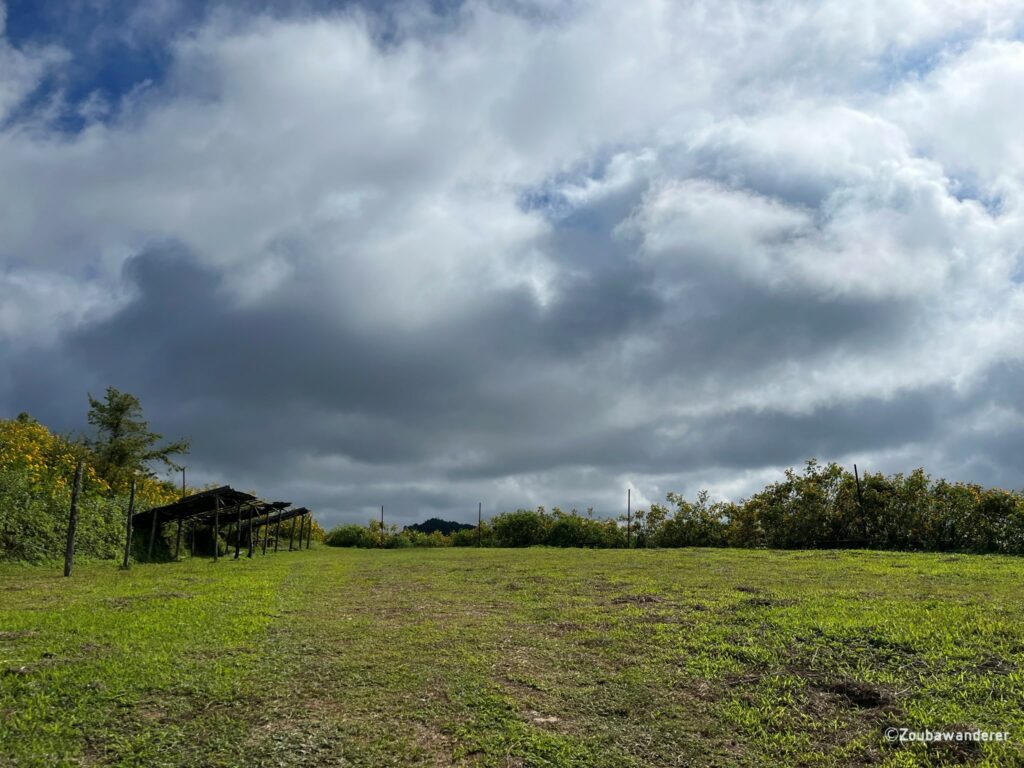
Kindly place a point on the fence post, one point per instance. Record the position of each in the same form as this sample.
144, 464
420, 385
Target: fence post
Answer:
69, 550
309, 531
128, 525
291, 537
479, 524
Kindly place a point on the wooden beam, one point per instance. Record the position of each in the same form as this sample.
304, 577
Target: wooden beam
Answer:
177, 541
69, 549
251, 542
152, 534
238, 530
216, 529
128, 525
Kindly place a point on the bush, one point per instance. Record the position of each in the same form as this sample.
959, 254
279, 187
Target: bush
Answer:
572, 530
522, 528
37, 471
350, 535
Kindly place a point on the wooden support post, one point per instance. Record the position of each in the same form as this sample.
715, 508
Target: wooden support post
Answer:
251, 540
302, 529
238, 530
69, 549
216, 528
192, 538
152, 535
629, 514
266, 532
177, 540
277, 531
128, 525
309, 531
382, 525
479, 524
291, 537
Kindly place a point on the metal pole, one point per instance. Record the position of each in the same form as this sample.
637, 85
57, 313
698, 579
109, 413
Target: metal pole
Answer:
277, 531
69, 550
291, 537
479, 523
128, 525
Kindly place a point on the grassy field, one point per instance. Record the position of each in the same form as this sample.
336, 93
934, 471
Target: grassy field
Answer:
513, 658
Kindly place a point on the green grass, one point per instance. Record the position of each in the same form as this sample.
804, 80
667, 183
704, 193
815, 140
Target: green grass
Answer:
513, 658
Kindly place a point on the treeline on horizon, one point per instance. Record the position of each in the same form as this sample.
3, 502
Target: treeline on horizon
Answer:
816, 508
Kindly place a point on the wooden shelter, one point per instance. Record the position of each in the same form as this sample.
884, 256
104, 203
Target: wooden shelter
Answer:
236, 514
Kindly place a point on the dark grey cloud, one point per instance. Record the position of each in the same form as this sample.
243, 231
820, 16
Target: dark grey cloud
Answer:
425, 258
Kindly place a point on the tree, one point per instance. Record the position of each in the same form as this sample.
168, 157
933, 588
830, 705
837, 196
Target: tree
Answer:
123, 442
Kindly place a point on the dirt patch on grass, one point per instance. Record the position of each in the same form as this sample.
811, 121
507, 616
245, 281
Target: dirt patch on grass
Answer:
957, 752
994, 665
857, 694
129, 601
763, 602
636, 599
562, 628
17, 635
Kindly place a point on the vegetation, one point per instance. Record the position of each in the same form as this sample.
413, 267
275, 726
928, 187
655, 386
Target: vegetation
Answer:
444, 527
819, 508
497, 657
37, 469
124, 447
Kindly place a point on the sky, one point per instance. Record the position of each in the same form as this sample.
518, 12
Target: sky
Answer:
430, 254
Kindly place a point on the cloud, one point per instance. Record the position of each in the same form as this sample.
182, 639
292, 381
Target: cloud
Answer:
22, 69
531, 255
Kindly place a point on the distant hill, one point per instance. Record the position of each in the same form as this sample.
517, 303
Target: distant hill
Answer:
446, 527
